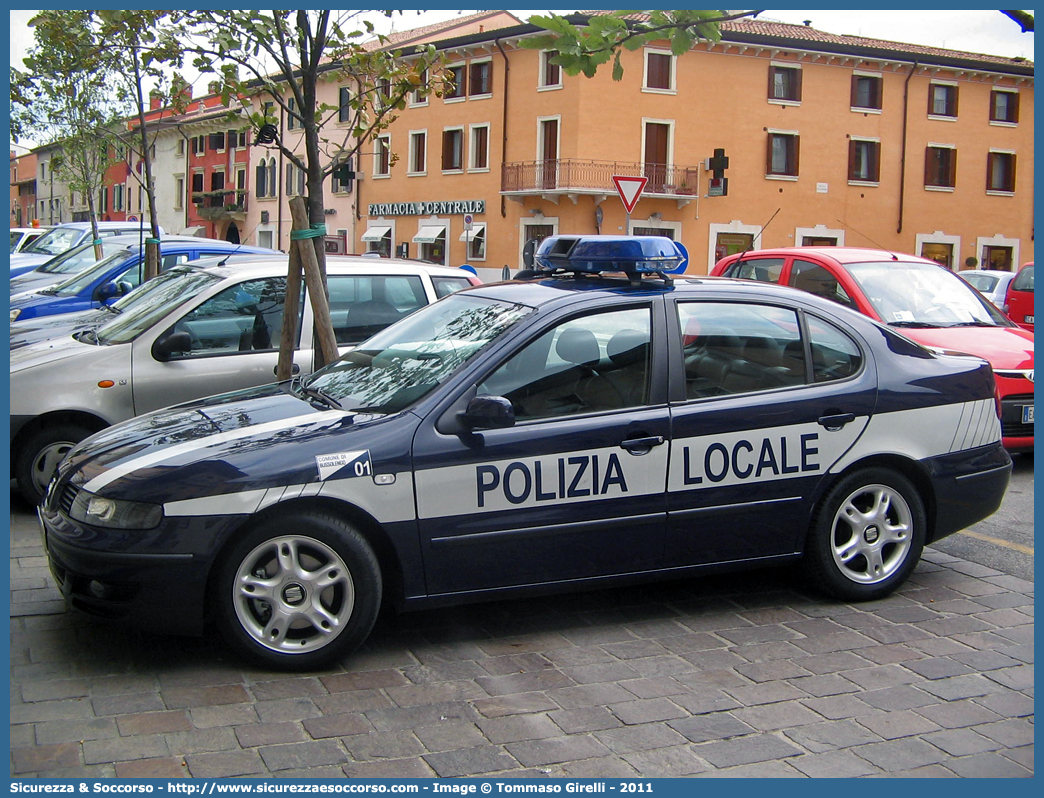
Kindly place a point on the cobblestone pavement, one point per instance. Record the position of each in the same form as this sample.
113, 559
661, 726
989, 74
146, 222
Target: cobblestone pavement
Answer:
734, 675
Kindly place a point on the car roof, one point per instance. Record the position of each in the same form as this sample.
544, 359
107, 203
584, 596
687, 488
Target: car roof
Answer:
263, 265
30, 229
135, 238
839, 254
991, 272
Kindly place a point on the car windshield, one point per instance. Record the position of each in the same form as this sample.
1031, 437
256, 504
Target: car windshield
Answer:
75, 260
922, 295
142, 308
54, 242
84, 279
1024, 280
404, 362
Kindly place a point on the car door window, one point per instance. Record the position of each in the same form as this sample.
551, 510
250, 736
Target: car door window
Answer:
590, 364
363, 305
816, 279
444, 286
732, 347
244, 318
835, 355
764, 270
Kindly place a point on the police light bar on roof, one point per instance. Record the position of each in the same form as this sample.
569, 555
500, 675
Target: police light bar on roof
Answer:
633, 255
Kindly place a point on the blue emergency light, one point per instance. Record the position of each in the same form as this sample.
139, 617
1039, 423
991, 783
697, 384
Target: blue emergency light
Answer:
632, 255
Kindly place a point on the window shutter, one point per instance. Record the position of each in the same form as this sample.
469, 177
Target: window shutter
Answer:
928, 157
217, 141
853, 154
796, 94
875, 162
854, 102
768, 154
951, 177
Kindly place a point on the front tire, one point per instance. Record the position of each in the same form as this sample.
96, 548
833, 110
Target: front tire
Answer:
298, 592
39, 455
867, 535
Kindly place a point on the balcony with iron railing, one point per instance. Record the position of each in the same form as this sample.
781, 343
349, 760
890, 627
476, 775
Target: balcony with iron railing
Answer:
551, 179
218, 204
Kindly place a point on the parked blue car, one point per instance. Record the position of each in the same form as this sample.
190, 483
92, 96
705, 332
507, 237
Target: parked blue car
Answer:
64, 237
118, 274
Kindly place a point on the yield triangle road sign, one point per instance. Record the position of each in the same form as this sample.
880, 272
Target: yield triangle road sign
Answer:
629, 189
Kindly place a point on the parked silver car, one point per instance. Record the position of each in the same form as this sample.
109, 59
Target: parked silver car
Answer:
219, 331
991, 283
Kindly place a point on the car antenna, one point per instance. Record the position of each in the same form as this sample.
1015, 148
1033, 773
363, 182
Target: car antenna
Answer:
750, 246
864, 235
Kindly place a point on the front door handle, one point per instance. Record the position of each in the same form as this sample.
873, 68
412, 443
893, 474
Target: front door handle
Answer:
835, 422
294, 369
642, 445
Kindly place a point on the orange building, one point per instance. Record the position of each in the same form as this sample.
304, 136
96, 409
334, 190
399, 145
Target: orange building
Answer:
829, 140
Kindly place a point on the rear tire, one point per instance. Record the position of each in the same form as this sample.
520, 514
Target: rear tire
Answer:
866, 536
39, 455
298, 591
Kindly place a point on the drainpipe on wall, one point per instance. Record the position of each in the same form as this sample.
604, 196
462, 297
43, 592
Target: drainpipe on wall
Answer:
902, 154
504, 124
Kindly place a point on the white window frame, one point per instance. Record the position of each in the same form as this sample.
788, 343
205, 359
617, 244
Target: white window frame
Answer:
941, 82
670, 123
871, 140
1003, 90
646, 88
657, 224
937, 145
819, 231
866, 73
540, 136
413, 101
787, 65
383, 221
939, 237
535, 221
463, 150
998, 241
377, 174
468, 236
777, 132
995, 192
462, 97
411, 165
541, 86
484, 95
471, 147
735, 226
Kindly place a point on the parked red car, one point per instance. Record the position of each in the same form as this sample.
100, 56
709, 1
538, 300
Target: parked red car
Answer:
1018, 302
928, 302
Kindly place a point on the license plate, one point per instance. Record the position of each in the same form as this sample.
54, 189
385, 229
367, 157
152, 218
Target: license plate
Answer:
1029, 320
1027, 414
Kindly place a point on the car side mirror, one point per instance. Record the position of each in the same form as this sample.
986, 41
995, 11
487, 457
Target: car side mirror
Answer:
488, 412
107, 291
170, 344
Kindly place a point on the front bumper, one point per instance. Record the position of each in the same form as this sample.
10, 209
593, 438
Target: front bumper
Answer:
99, 573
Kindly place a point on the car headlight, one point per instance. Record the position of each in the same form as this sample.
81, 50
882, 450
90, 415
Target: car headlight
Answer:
89, 508
15, 313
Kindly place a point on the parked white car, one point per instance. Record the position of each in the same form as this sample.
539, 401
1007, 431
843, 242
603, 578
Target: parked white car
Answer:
21, 237
219, 331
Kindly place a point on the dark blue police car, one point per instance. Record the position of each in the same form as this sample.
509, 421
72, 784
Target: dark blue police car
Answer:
571, 428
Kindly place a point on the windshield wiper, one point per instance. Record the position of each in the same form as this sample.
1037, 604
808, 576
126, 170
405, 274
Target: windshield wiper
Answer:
315, 393
49, 291
973, 324
112, 309
87, 334
922, 324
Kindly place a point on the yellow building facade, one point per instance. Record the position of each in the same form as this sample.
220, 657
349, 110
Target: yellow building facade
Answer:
828, 139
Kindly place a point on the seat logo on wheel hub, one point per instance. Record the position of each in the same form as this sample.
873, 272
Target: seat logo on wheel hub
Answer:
871, 534
293, 594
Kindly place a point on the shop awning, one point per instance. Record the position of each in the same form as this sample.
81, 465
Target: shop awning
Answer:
376, 232
478, 229
429, 233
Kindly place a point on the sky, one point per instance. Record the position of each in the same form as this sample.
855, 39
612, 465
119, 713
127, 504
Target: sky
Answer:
988, 32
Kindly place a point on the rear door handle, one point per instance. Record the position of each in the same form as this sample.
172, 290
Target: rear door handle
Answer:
294, 369
642, 445
835, 422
